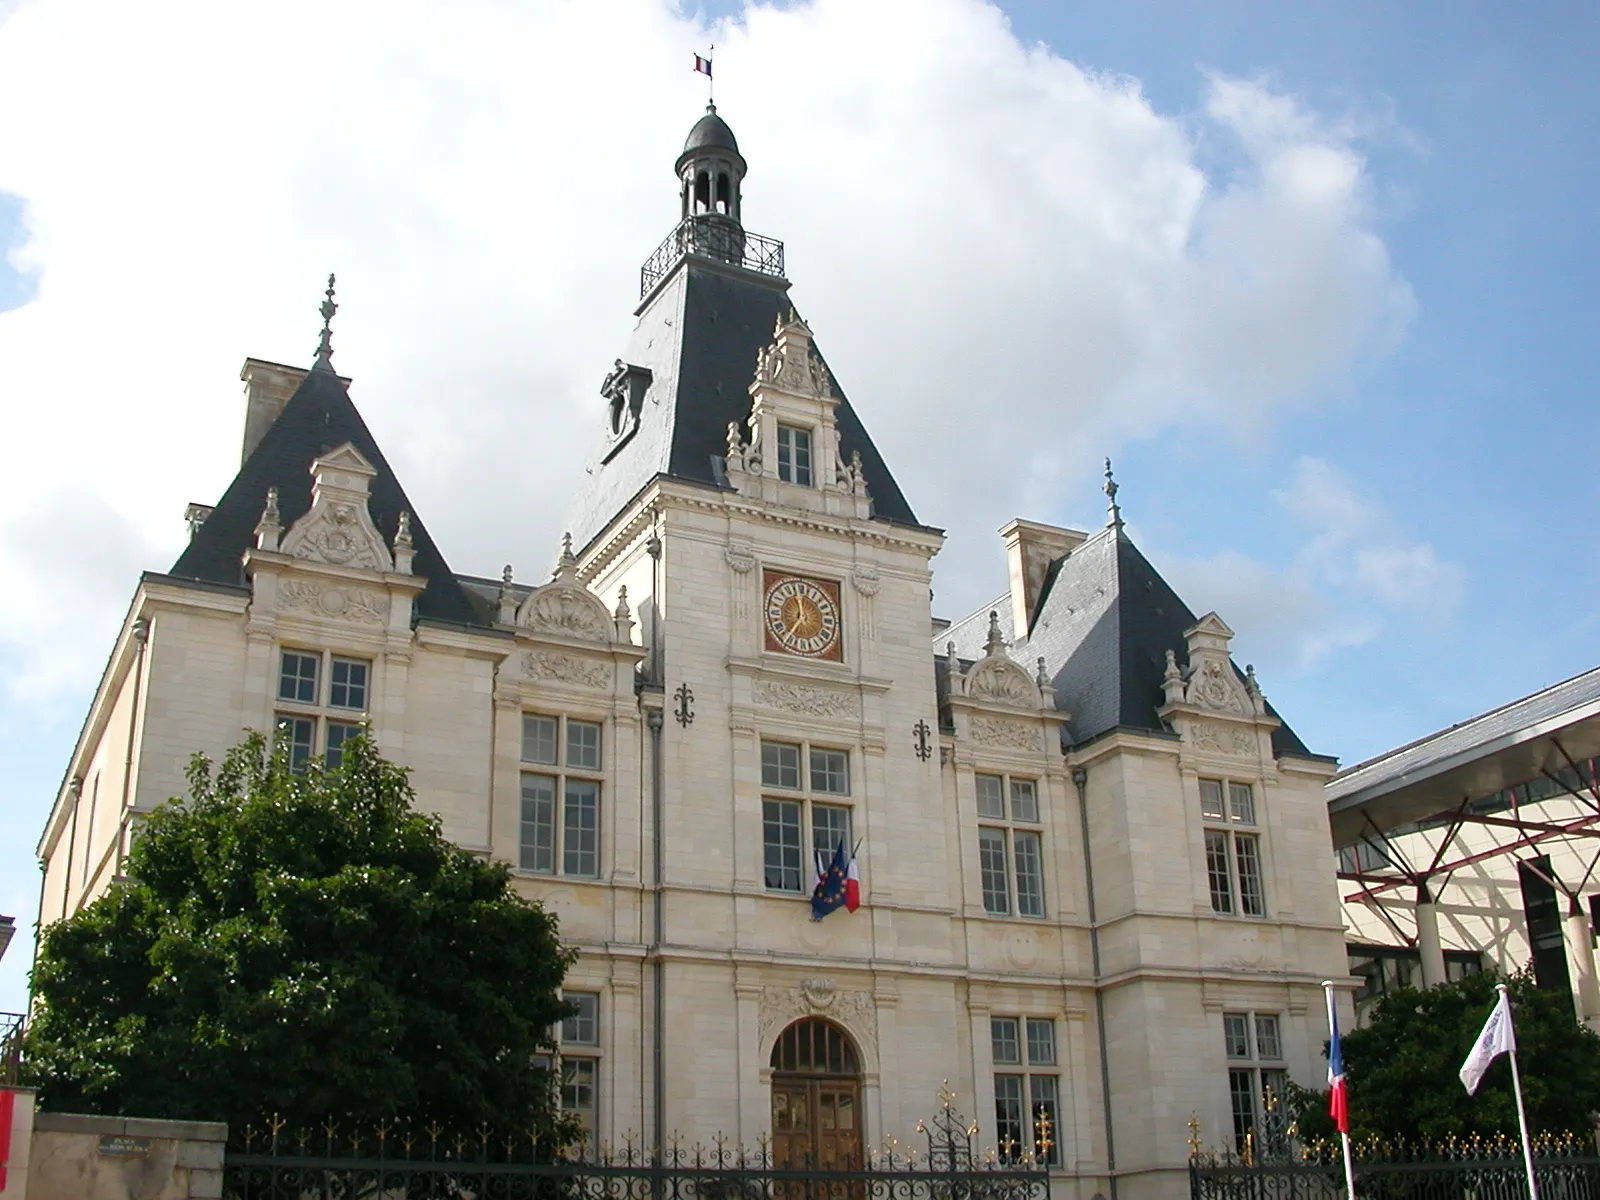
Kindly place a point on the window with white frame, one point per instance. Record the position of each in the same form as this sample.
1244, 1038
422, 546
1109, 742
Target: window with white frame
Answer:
1027, 1087
1010, 846
807, 789
561, 777
794, 455
322, 702
1256, 1071
1233, 848
580, 1063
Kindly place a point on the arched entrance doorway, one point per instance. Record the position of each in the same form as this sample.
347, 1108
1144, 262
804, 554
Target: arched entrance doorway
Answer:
816, 1097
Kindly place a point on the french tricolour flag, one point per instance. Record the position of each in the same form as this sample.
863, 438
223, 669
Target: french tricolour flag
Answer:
703, 65
852, 886
1338, 1102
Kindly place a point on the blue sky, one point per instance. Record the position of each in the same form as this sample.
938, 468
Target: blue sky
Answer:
1402, 536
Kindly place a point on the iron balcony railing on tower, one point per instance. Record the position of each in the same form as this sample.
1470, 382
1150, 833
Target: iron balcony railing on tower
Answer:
712, 236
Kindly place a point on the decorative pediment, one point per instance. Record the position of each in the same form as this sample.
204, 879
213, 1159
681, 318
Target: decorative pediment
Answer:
1002, 680
790, 364
337, 528
1213, 685
565, 607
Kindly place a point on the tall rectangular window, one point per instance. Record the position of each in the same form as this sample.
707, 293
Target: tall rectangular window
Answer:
318, 694
810, 782
1027, 1088
794, 455
1234, 873
1253, 1043
580, 1065
1010, 857
561, 807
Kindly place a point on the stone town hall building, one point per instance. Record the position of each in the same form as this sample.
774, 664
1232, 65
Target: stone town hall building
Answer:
1095, 862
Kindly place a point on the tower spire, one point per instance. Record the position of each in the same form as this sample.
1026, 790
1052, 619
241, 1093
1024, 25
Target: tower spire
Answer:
325, 344
1113, 509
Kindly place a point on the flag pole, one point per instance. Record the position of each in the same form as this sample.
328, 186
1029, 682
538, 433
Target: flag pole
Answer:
1522, 1113
1344, 1134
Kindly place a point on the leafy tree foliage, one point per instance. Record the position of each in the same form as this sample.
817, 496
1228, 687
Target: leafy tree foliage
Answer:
1402, 1070
305, 944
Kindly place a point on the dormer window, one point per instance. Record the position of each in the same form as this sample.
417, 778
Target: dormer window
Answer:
794, 455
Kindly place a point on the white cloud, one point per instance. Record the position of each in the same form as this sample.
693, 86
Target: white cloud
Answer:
1355, 574
1012, 262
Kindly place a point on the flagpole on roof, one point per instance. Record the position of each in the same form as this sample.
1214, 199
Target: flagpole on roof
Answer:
1334, 1052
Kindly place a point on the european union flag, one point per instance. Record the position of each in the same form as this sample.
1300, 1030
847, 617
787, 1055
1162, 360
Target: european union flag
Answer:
829, 893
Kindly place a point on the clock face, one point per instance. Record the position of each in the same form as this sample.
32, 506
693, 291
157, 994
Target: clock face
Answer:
802, 616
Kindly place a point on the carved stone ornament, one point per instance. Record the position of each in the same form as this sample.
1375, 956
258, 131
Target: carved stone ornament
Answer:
565, 606
741, 557
789, 362
338, 533
337, 528
1000, 679
562, 668
340, 603
811, 701
854, 1010
1220, 739
1214, 686
1000, 731
866, 581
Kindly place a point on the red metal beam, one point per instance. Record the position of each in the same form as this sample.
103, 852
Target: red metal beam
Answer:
1548, 831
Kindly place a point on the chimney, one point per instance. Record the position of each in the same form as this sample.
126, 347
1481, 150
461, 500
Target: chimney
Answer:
1030, 548
267, 388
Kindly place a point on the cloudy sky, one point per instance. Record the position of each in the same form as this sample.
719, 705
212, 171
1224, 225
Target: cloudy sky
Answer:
1320, 278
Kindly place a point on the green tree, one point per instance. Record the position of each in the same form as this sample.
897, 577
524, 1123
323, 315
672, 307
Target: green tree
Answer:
1402, 1069
305, 944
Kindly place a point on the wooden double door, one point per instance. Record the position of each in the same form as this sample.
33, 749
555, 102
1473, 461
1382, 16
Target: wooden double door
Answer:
816, 1122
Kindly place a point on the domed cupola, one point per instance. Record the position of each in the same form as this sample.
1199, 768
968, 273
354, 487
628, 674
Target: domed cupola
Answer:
710, 170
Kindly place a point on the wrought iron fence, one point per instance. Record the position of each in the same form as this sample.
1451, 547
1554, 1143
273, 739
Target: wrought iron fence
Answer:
11, 1046
713, 237
271, 1162
1567, 1168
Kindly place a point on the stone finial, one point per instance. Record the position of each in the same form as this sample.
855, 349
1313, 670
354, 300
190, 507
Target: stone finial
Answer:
622, 615
1113, 509
508, 601
1252, 686
404, 548
735, 447
269, 530
567, 564
325, 342
1172, 680
996, 642
1043, 678
858, 474
952, 669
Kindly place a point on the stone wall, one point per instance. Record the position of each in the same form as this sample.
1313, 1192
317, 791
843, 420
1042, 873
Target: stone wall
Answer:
76, 1157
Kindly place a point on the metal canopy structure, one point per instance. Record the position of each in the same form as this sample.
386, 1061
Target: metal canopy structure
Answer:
1519, 781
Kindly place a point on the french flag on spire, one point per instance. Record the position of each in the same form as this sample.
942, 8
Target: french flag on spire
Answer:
1338, 1102
702, 65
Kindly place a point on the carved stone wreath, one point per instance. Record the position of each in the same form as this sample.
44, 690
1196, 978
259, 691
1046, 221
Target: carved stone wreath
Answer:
1218, 739
812, 701
998, 731
562, 668
341, 603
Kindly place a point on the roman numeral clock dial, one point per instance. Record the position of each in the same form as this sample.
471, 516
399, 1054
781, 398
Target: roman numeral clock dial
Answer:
802, 616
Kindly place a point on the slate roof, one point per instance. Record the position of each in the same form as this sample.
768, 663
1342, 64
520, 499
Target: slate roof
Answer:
1104, 622
1481, 734
319, 417
710, 130
698, 334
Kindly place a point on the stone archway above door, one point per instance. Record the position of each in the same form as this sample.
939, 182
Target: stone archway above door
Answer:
851, 1009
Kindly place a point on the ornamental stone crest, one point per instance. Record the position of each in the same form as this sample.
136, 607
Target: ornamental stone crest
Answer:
852, 1009
1219, 739
810, 701
337, 529
340, 603
789, 362
1004, 681
1005, 733
563, 668
564, 606
1214, 686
